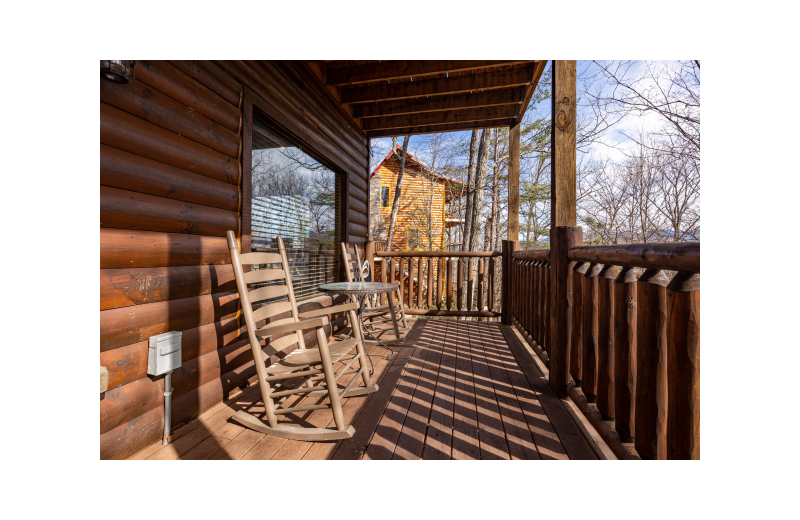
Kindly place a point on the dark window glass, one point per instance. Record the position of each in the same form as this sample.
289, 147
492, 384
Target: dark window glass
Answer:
297, 198
385, 196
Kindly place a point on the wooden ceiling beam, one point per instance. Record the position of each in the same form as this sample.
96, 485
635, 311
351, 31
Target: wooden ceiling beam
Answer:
537, 74
404, 69
440, 118
506, 96
435, 129
439, 86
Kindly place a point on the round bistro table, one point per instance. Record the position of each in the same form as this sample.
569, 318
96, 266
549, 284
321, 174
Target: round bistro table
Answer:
359, 290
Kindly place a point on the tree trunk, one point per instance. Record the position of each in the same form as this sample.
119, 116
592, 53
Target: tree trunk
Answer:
397, 189
471, 167
474, 217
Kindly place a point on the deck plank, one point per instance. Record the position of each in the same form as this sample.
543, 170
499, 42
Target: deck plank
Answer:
369, 418
439, 439
411, 441
547, 442
384, 440
458, 389
518, 436
490, 426
575, 444
466, 445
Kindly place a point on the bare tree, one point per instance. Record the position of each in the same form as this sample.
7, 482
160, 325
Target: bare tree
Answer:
401, 157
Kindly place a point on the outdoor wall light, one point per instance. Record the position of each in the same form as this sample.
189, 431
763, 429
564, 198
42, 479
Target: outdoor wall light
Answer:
118, 71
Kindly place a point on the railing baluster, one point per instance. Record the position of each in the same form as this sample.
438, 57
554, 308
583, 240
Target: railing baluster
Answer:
470, 283
605, 342
429, 289
650, 438
625, 352
383, 279
547, 307
449, 284
420, 279
401, 280
683, 373
491, 285
440, 276
576, 349
590, 324
481, 284
460, 282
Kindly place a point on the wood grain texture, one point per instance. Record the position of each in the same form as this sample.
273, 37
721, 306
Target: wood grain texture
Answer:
440, 118
125, 287
683, 333
564, 99
605, 342
127, 171
126, 325
402, 69
210, 75
562, 306
438, 86
123, 248
513, 182
438, 103
625, 313
127, 132
168, 79
591, 323
681, 256
145, 102
137, 211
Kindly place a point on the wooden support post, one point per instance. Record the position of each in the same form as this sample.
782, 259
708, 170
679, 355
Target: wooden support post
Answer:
513, 182
509, 246
683, 361
561, 317
563, 232
625, 352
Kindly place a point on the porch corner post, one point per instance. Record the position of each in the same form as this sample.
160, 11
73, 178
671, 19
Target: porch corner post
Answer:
562, 305
563, 218
509, 246
513, 181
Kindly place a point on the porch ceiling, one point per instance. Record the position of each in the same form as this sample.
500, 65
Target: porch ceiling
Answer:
390, 98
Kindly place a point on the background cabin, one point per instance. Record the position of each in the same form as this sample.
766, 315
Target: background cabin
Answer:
429, 204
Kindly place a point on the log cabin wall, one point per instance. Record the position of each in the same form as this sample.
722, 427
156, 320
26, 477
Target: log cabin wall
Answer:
174, 177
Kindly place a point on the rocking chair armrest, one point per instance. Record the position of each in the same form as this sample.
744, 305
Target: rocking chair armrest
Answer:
326, 311
279, 328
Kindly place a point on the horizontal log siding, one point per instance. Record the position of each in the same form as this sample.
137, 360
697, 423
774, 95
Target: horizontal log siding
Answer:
171, 176
415, 205
169, 190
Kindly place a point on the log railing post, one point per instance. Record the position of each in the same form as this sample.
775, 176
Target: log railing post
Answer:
561, 300
576, 349
509, 246
590, 331
605, 342
625, 352
683, 362
650, 439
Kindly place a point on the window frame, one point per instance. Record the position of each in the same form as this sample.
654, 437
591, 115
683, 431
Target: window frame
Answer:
388, 195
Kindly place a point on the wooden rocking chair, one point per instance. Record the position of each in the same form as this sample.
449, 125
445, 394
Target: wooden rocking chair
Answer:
309, 364
373, 314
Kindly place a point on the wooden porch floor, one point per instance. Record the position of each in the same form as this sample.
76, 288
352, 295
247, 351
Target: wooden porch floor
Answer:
457, 390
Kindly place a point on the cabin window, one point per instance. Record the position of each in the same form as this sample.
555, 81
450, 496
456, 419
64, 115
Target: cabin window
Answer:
297, 198
412, 238
385, 197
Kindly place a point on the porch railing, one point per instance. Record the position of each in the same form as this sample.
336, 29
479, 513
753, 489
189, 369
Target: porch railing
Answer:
619, 329
440, 283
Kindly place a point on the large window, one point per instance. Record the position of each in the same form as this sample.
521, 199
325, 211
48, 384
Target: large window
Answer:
295, 197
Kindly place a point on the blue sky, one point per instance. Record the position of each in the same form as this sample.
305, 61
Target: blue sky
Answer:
611, 145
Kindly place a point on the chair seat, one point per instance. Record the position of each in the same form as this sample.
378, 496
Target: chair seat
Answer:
301, 358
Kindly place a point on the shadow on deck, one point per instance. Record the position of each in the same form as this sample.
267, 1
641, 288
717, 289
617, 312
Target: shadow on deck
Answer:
455, 390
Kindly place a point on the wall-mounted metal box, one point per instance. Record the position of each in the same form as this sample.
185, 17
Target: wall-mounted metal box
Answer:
164, 354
